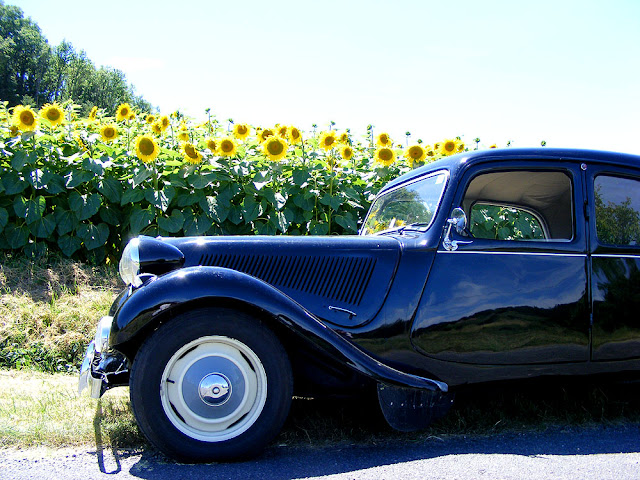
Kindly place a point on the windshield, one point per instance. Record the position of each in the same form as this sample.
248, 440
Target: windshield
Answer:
410, 206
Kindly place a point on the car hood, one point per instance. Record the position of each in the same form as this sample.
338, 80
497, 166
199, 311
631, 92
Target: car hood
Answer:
341, 279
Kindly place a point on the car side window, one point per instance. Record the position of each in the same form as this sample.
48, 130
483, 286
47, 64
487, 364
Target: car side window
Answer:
617, 204
503, 222
520, 205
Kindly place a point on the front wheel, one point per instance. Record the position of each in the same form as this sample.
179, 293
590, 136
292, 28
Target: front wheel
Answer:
211, 385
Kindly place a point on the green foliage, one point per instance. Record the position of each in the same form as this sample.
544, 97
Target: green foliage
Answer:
34, 73
65, 189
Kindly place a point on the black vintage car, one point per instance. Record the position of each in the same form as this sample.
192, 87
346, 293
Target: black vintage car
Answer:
484, 266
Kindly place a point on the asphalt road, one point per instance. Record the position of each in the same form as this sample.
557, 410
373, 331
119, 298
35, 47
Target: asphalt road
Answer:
577, 453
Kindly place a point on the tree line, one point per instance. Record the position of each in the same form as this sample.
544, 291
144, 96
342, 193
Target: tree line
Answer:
32, 72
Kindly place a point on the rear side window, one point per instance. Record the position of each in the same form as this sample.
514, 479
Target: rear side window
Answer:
498, 222
617, 202
516, 205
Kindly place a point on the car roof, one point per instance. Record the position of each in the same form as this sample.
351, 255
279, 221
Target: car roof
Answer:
456, 162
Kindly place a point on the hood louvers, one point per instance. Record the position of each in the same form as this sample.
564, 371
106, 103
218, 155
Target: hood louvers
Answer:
342, 279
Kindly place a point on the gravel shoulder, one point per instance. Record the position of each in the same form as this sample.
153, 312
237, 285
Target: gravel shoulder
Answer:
600, 452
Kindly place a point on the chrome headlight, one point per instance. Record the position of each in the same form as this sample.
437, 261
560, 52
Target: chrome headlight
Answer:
130, 263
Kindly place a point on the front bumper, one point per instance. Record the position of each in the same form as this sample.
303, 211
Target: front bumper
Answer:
102, 368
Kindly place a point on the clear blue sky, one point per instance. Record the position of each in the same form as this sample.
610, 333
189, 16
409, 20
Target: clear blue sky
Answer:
563, 71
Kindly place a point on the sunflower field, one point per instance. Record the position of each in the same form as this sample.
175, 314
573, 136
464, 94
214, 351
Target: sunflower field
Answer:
83, 187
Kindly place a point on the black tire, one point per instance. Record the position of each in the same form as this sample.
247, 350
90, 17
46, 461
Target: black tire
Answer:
211, 385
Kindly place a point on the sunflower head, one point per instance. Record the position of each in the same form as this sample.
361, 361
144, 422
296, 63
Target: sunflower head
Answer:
24, 118
461, 146
146, 148
150, 119
53, 113
191, 154
384, 140
415, 154
227, 147
294, 135
494, 146
183, 136
264, 134
275, 148
93, 113
344, 138
156, 127
449, 147
108, 133
346, 152
123, 112
328, 140
241, 131
165, 122
212, 145
385, 156
283, 131
14, 130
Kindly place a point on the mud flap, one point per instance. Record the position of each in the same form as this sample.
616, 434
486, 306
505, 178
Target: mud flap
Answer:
410, 409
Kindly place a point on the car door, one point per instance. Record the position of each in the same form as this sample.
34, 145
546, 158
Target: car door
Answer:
514, 290
615, 261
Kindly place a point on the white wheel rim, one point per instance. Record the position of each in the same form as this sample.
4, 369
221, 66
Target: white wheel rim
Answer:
213, 389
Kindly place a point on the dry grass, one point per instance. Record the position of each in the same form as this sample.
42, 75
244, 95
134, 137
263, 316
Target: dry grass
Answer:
49, 311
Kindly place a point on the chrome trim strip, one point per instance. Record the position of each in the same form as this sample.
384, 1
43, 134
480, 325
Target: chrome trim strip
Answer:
615, 255
538, 254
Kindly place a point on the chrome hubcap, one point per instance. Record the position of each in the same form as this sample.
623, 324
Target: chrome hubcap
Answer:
215, 389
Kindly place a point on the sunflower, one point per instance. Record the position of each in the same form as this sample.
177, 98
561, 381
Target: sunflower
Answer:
146, 148
461, 146
191, 154
241, 131
264, 134
150, 119
430, 151
24, 118
109, 133
294, 135
212, 145
183, 136
344, 138
93, 113
449, 147
283, 131
132, 116
385, 156
415, 153
123, 112
275, 147
328, 140
346, 152
227, 147
494, 146
165, 122
156, 128
80, 142
52, 112
384, 140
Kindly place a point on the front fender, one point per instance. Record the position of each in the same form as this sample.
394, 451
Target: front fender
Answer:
147, 304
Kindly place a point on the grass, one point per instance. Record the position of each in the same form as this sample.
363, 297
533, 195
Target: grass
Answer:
49, 310
45, 410
48, 313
